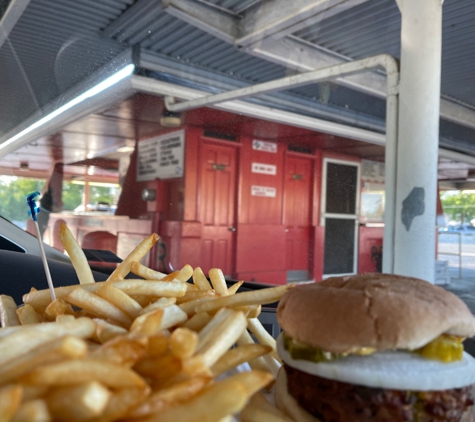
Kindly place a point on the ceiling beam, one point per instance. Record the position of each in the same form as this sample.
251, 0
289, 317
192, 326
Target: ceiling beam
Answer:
277, 18
218, 24
11, 16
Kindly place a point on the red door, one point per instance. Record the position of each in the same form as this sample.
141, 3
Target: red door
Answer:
297, 216
217, 206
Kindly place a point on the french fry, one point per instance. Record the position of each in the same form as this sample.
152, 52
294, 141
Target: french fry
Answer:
27, 315
254, 311
10, 398
147, 323
195, 366
197, 321
174, 395
183, 343
8, 307
79, 402
63, 318
272, 364
190, 307
124, 350
200, 280
256, 364
151, 288
97, 306
136, 255
258, 400
235, 287
105, 331
256, 297
262, 336
161, 369
29, 337
172, 315
224, 334
195, 294
77, 371
185, 273
57, 307
237, 356
121, 403
120, 299
217, 280
33, 392
32, 411
54, 350
259, 414
216, 401
76, 254
159, 304
157, 345
171, 276
142, 271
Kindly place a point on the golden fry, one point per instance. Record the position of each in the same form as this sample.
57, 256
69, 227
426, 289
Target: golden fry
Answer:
183, 343
217, 280
136, 255
98, 306
76, 254
262, 336
197, 321
105, 331
29, 337
27, 315
159, 304
256, 297
32, 411
235, 287
171, 276
8, 315
237, 356
77, 371
54, 350
10, 398
79, 402
120, 299
124, 350
200, 279
57, 307
185, 273
151, 288
142, 271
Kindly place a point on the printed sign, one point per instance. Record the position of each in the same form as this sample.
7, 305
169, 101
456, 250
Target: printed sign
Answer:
266, 191
264, 168
264, 146
372, 171
161, 157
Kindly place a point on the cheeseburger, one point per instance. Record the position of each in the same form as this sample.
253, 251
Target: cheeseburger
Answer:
374, 348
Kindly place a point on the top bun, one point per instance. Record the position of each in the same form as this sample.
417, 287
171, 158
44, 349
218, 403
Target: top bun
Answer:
381, 311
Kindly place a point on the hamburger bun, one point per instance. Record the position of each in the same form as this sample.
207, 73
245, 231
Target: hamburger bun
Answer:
379, 311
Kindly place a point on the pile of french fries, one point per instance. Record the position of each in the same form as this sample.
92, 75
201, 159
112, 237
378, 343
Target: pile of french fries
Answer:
150, 349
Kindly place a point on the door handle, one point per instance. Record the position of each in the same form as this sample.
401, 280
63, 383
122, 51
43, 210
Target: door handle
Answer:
232, 229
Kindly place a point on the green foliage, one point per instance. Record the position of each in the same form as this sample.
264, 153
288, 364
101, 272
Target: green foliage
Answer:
459, 205
13, 193
72, 195
102, 194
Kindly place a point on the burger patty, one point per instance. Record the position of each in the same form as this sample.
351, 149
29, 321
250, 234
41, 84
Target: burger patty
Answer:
334, 401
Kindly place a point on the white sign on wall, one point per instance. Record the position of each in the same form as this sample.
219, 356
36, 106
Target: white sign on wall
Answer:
161, 157
266, 191
264, 168
372, 171
264, 146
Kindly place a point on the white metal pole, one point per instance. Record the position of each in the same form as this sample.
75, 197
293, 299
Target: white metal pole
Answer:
418, 138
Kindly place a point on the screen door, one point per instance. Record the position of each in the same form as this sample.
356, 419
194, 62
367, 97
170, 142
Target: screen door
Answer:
340, 196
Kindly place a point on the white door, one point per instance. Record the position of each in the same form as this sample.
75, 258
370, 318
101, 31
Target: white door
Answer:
340, 205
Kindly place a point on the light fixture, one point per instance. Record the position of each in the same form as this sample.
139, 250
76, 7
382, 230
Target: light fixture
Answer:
125, 149
149, 194
170, 119
101, 86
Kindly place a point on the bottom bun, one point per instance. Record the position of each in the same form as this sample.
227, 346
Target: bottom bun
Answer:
287, 404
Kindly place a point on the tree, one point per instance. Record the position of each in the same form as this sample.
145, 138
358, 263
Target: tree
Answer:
459, 205
72, 195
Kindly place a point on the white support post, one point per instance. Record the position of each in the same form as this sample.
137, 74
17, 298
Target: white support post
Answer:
418, 139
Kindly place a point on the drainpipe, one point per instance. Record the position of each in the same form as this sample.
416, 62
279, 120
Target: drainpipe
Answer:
415, 234
392, 70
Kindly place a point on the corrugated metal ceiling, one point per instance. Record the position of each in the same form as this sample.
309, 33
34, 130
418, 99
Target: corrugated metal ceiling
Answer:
374, 27
55, 44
